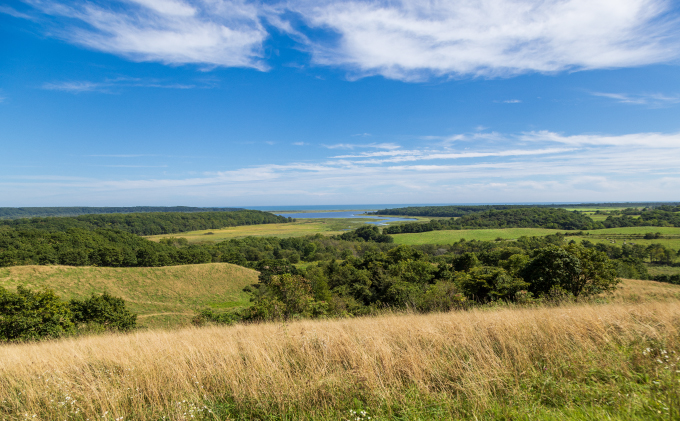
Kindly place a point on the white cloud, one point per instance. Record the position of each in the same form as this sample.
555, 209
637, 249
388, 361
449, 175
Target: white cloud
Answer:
646, 140
653, 100
535, 166
111, 85
208, 32
13, 12
369, 145
512, 101
416, 39
299, 143
409, 40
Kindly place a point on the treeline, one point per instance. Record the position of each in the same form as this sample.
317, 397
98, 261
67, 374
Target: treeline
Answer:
99, 247
115, 248
522, 217
666, 216
153, 223
444, 211
27, 315
27, 212
462, 210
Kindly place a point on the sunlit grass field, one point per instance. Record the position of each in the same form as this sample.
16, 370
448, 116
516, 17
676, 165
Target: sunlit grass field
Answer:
597, 236
302, 227
163, 297
452, 236
615, 360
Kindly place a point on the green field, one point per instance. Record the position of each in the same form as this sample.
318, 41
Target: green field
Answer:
163, 297
452, 236
619, 235
302, 227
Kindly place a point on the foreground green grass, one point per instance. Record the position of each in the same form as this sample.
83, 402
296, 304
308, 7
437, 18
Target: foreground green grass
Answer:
163, 297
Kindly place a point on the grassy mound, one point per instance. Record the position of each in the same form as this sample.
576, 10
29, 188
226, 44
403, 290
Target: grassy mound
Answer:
165, 296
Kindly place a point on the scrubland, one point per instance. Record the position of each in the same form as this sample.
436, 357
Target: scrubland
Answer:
615, 357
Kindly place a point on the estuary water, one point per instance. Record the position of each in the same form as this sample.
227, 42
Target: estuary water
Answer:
379, 220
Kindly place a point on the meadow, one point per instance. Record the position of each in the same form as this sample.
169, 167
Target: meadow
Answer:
302, 227
616, 359
162, 297
453, 236
672, 235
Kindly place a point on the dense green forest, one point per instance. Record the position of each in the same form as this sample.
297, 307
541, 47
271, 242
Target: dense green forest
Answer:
27, 212
153, 223
461, 210
521, 217
373, 276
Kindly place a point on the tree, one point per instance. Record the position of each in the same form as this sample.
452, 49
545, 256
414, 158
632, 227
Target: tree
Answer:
574, 269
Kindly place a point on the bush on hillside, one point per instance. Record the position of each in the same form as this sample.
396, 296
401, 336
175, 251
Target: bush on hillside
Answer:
26, 315
105, 310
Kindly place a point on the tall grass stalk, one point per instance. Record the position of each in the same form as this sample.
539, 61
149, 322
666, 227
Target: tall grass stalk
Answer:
585, 360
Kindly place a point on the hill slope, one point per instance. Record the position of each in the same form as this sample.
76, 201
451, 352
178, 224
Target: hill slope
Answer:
164, 296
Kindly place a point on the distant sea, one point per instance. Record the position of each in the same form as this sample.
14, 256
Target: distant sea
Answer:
385, 206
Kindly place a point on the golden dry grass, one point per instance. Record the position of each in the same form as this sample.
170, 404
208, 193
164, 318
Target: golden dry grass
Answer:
311, 368
164, 296
295, 229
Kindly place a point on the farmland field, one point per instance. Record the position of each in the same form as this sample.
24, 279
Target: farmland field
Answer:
595, 236
452, 236
165, 296
302, 227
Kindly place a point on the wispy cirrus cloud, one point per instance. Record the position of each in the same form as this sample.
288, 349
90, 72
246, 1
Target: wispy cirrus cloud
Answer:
114, 84
212, 33
655, 100
532, 166
366, 145
408, 40
13, 12
416, 39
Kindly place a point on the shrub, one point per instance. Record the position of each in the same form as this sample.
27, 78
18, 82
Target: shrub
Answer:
27, 315
105, 310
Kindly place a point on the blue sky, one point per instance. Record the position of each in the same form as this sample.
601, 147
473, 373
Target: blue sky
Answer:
242, 103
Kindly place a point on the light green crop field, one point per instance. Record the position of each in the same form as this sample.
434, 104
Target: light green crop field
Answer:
663, 270
292, 229
302, 227
619, 235
452, 236
637, 230
162, 297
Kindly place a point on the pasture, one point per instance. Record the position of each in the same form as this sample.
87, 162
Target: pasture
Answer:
453, 236
302, 227
617, 360
162, 297
671, 235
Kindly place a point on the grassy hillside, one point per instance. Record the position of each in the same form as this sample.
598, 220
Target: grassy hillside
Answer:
164, 296
577, 362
